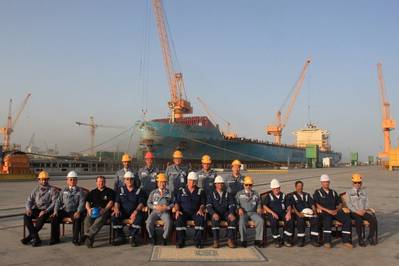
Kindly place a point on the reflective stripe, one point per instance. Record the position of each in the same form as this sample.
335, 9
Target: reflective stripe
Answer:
295, 197
276, 236
326, 231
306, 197
208, 205
300, 234
138, 191
287, 233
181, 228
231, 227
314, 233
321, 195
117, 226
136, 226
346, 232
215, 228
199, 228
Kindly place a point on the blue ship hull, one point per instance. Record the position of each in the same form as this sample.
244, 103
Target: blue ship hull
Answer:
201, 137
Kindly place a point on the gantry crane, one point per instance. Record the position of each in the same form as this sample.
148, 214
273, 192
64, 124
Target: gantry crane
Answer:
388, 124
9, 128
178, 103
93, 126
228, 133
276, 129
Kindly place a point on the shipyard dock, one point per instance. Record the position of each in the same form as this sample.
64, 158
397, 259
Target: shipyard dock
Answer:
382, 186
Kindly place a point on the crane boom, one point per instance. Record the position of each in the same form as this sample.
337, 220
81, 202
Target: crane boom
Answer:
276, 129
177, 104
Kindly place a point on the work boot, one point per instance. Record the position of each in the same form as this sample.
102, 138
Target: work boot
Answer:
53, 242
230, 243
76, 242
278, 243
362, 243
199, 244
259, 243
215, 244
118, 241
164, 241
327, 245
301, 242
244, 244
27, 240
153, 241
371, 241
89, 241
36, 242
315, 243
133, 241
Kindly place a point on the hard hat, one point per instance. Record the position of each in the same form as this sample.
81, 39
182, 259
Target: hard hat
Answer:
192, 176
248, 180
177, 155
128, 174
324, 178
356, 178
126, 158
274, 184
206, 159
43, 175
72, 174
161, 177
236, 162
307, 212
149, 155
218, 179
95, 212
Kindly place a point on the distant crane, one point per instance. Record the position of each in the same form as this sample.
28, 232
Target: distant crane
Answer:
388, 124
178, 103
228, 133
93, 126
9, 128
276, 129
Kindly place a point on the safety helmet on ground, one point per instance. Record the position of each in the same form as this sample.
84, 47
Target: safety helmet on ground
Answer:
218, 179
324, 178
95, 213
149, 155
236, 162
177, 155
206, 159
126, 157
356, 178
128, 174
248, 180
72, 174
161, 177
43, 175
307, 212
192, 176
274, 184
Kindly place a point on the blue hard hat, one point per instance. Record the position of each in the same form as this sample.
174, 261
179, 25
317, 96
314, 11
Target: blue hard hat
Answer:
95, 213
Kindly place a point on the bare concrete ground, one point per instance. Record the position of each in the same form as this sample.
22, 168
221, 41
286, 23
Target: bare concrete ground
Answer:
383, 188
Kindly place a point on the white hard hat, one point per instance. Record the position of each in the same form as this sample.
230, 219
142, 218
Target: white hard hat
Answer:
218, 179
192, 176
324, 178
128, 174
307, 212
72, 174
274, 184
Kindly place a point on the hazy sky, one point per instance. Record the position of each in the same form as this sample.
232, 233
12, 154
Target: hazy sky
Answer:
82, 58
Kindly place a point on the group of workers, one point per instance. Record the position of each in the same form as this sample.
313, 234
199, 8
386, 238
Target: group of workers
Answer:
177, 196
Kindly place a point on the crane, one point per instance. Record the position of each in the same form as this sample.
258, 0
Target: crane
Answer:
388, 124
276, 129
178, 103
11, 122
228, 133
93, 126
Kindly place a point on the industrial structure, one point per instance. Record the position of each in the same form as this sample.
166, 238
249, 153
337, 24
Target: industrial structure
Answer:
312, 135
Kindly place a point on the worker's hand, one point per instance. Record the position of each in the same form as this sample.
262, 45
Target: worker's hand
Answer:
215, 217
275, 216
200, 212
241, 212
287, 216
158, 208
28, 212
300, 214
259, 211
361, 212
89, 211
76, 215
133, 216
116, 212
231, 217
102, 211
54, 214
42, 213
177, 214
334, 212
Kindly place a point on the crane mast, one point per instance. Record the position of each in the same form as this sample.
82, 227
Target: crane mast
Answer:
178, 105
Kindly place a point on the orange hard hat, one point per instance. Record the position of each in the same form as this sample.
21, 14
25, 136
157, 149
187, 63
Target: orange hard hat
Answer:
356, 178
248, 180
236, 162
161, 177
177, 154
149, 155
206, 159
43, 175
126, 157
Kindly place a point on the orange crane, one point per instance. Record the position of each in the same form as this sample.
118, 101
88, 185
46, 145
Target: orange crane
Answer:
227, 133
93, 126
388, 124
9, 128
276, 129
178, 103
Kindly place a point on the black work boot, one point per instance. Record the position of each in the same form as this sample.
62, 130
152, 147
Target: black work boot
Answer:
27, 240
301, 241
278, 242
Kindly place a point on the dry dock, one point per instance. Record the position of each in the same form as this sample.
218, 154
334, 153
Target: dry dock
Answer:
382, 186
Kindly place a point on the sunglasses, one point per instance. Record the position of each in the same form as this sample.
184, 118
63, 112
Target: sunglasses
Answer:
357, 182
248, 185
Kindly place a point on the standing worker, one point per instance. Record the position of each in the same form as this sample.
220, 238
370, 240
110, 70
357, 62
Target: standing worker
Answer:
235, 182
250, 208
127, 167
70, 203
176, 173
39, 206
358, 203
206, 175
148, 174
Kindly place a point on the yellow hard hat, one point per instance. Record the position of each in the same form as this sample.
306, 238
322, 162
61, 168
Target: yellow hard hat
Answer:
177, 154
236, 162
126, 157
161, 177
43, 175
356, 178
248, 180
206, 159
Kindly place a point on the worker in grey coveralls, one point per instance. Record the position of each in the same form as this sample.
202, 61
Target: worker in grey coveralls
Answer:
206, 176
160, 201
250, 208
235, 182
176, 173
119, 176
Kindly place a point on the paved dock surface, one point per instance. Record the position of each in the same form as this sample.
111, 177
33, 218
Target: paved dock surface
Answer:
382, 186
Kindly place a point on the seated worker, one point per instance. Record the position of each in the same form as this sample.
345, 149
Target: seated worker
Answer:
160, 202
249, 208
277, 206
70, 203
305, 210
329, 206
358, 203
39, 206
206, 175
221, 206
190, 205
99, 202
